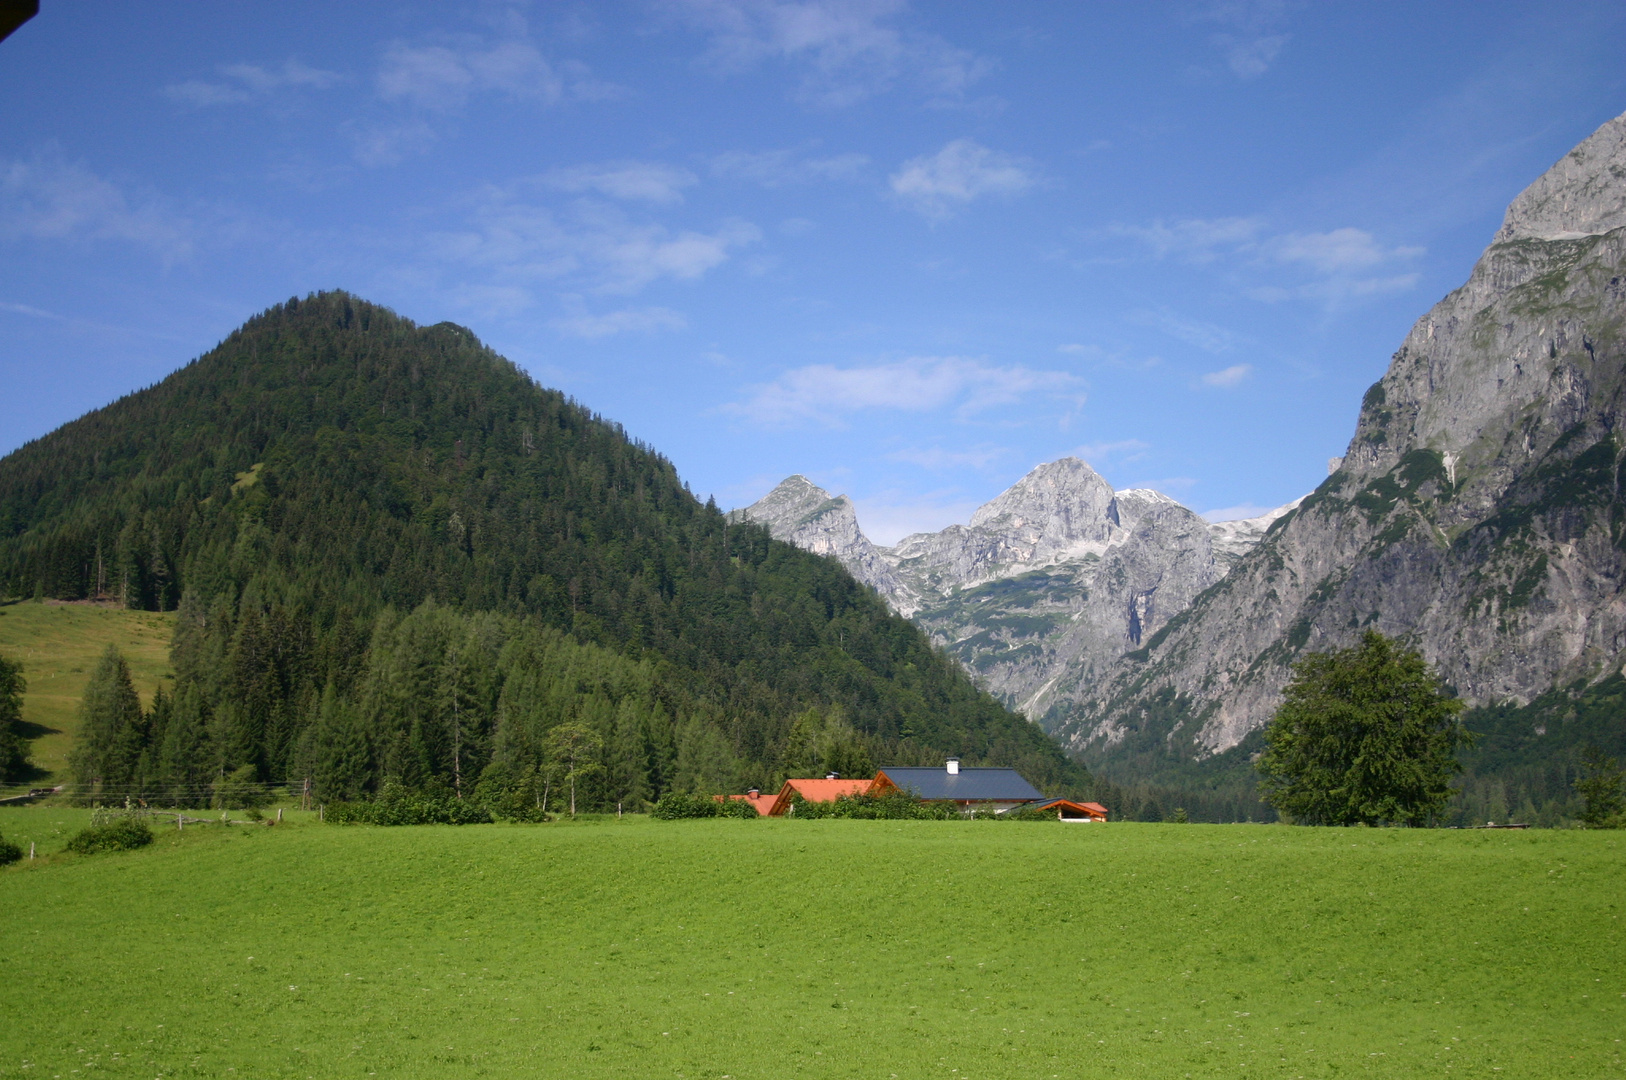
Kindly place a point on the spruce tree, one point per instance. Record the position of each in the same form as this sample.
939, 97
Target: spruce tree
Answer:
106, 757
13, 750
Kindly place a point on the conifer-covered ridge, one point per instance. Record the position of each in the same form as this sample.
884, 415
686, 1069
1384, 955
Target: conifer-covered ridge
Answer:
395, 555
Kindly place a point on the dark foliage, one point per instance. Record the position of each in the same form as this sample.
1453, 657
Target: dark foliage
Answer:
396, 805
9, 852
1602, 790
121, 834
14, 763
331, 467
893, 806
678, 805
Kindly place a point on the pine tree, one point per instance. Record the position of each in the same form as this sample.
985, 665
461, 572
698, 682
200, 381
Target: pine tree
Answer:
107, 754
13, 750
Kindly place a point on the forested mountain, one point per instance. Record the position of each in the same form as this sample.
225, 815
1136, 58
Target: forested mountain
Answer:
394, 554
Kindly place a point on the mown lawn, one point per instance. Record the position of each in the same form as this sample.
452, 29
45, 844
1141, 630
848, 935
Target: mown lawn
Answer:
58, 646
833, 949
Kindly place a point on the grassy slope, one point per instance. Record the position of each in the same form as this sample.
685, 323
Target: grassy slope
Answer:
819, 949
59, 644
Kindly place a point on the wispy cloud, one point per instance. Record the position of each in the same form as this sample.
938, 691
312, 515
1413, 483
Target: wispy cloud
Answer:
416, 81
1337, 252
1230, 376
940, 460
242, 83
631, 180
33, 312
783, 168
1204, 335
1240, 512
938, 184
1120, 452
1347, 262
591, 244
843, 50
631, 321
1253, 34
824, 394
49, 198
1195, 240
888, 516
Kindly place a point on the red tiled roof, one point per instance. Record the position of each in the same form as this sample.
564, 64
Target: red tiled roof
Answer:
817, 790
762, 803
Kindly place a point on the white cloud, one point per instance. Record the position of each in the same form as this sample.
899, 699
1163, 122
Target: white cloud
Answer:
960, 172
1196, 240
641, 321
251, 82
1250, 57
1228, 376
1338, 251
1123, 451
1240, 512
1204, 335
38, 313
52, 199
1343, 261
1253, 36
442, 78
781, 168
845, 49
594, 245
888, 517
822, 393
938, 459
631, 180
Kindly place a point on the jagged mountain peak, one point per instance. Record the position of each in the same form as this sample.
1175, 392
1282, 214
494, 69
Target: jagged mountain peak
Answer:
1066, 493
1584, 194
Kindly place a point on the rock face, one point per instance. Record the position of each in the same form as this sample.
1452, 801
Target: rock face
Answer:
1048, 584
800, 512
1477, 510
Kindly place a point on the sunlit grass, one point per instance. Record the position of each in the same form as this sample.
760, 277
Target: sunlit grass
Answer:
58, 646
817, 949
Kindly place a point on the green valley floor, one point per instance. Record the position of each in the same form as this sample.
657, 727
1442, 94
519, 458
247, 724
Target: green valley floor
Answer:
840, 949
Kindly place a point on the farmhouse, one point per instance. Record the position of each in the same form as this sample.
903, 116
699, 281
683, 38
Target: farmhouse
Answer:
1065, 809
829, 789
999, 790
974, 789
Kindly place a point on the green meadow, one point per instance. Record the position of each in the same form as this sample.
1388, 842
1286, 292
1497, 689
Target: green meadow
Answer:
58, 645
841, 949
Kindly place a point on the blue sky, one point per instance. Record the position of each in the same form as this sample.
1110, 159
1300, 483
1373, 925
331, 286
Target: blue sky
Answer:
907, 250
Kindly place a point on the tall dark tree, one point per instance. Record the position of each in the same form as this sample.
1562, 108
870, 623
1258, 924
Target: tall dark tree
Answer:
1364, 735
106, 757
1602, 789
13, 750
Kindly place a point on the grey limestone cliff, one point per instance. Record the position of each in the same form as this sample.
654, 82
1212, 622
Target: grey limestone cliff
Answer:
1045, 587
1477, 511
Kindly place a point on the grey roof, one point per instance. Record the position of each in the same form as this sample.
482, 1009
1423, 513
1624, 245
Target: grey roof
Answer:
993, 785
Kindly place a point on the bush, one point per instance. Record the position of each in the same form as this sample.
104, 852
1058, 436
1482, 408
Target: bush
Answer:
241, 790
396, 805
895, 806
737, 808
123, 834
675, 805
9, 853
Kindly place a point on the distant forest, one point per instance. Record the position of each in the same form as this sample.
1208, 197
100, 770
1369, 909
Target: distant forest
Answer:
394, 555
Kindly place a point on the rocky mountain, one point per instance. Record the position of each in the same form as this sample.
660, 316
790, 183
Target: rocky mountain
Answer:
1477, 511
1044, 588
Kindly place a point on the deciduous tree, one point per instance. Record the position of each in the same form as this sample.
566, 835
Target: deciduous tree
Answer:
1365, 735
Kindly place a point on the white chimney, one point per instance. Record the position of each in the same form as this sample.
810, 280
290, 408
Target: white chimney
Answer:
954, 766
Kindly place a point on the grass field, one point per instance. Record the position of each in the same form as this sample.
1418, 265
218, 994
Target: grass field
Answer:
835, 949
58, 645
